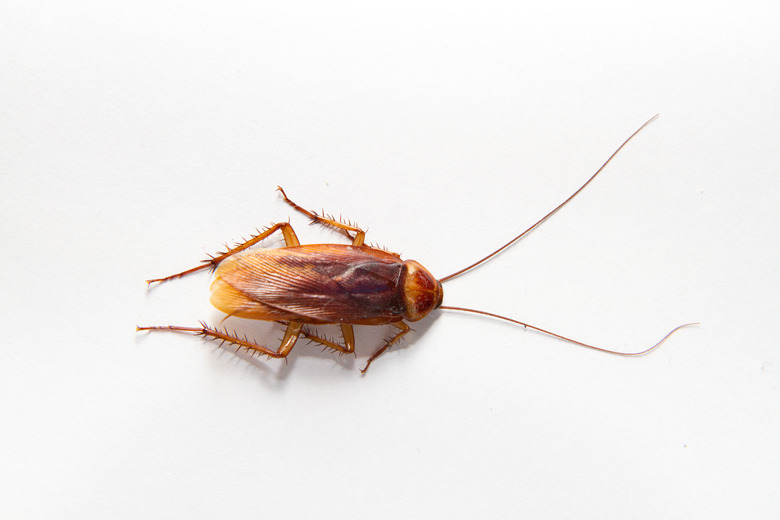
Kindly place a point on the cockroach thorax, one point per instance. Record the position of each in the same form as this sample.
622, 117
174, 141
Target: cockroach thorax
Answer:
422, 292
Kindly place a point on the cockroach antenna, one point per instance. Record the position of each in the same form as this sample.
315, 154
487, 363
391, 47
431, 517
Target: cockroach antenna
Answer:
345, 285
526, 232
550, 214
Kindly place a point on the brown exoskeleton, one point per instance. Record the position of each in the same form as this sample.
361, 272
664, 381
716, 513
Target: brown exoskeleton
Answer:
348, 285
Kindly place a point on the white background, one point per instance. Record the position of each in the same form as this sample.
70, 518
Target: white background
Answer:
135, 137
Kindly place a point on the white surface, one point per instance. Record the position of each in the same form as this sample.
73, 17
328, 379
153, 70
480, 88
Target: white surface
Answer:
135, 137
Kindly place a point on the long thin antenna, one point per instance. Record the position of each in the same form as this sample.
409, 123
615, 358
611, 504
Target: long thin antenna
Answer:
564, 338
562, 204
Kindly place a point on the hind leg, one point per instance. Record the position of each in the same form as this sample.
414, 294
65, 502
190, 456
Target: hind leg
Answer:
290, 239
288, 342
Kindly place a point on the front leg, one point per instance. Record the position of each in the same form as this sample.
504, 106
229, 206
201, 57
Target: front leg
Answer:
405, 329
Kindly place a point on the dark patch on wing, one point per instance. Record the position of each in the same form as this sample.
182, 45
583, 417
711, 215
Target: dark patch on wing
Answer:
329, 283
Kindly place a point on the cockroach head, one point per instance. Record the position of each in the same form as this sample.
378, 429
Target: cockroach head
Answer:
422, 292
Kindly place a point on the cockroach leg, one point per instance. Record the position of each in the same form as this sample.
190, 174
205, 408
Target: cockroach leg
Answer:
348, 333
290, 239
405, 329
349, 340
290, 337
346, 229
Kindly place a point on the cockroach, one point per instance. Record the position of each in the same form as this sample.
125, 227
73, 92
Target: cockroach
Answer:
302, 285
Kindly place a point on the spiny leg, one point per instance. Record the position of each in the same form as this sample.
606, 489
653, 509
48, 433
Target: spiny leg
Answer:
290, 337
346, 331
290, 239
405, 329
341, 227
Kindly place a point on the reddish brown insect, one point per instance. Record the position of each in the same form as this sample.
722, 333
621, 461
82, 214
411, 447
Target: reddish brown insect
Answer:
348, 285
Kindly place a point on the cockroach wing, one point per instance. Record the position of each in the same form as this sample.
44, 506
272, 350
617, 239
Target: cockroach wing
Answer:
325, 283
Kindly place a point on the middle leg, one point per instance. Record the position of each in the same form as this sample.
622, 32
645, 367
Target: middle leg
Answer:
346, 229
346, 331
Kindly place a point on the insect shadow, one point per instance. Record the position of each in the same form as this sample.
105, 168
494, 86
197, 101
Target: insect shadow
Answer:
305, 286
